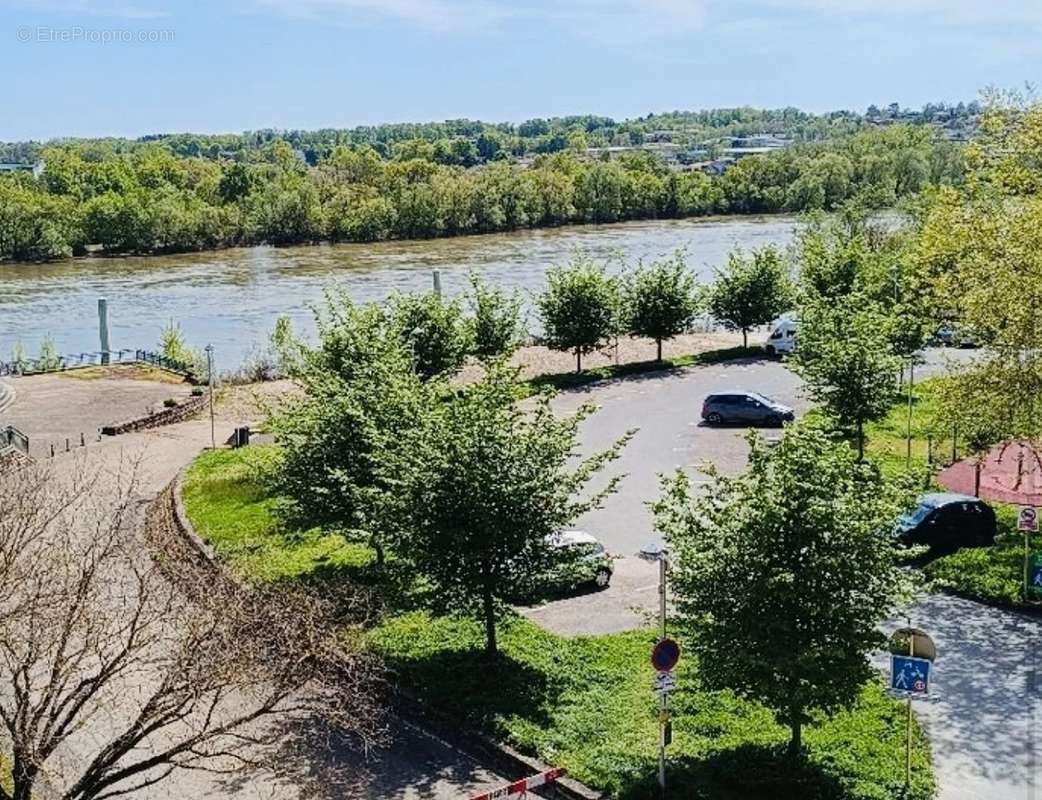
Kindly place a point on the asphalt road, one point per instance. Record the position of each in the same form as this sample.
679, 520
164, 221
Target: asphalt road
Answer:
984, 705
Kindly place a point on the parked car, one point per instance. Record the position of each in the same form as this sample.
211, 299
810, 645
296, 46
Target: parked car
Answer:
782, 338
747, 408
585, 562
946, 521
949, 335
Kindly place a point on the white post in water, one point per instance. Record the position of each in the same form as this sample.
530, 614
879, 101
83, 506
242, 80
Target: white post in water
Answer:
103, 328
437, 281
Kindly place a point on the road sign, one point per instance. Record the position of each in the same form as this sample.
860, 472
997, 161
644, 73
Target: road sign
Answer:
665, 682
1027, 519
665, 655
1034, 586
910, 675
913, 642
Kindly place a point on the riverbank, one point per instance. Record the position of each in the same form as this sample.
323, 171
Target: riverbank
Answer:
95, 253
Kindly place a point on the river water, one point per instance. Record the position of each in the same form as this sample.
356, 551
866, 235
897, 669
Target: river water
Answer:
231, 298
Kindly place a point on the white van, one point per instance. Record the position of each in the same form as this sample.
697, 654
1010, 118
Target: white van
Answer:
782, 339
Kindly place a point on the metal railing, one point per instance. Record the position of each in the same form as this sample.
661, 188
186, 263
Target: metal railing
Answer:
36, 366
12, 437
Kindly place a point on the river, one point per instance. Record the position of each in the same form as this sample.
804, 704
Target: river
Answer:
231, 298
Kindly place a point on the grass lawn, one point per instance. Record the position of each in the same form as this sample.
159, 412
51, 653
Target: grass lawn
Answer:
583, 703
994, 574
230, 509
127, 372
586, 704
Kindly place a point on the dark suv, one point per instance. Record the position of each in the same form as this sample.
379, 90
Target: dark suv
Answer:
947, 521
746, 408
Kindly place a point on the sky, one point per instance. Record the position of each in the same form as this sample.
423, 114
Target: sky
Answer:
133, 67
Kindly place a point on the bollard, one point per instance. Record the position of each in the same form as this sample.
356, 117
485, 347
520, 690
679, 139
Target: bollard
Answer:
103, 329
67, 444
52, 449
83, 441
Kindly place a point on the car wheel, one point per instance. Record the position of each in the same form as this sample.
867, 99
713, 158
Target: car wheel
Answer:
770, 350
714, 418
773, 421
602, 579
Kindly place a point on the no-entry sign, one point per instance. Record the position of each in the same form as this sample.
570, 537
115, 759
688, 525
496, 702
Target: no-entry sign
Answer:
665, 655
1027, 519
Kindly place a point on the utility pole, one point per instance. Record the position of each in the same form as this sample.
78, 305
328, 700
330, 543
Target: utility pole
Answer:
209, 376
908, 442
663, 696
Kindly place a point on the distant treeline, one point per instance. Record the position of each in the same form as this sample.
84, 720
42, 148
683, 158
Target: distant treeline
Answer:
464, 142
151, 199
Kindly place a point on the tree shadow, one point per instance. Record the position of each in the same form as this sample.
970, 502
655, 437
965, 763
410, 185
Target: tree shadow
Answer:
746, 772
639, 371
495, 687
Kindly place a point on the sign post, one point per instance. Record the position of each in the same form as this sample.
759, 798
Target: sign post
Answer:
912, 653
664, 657
1027, 521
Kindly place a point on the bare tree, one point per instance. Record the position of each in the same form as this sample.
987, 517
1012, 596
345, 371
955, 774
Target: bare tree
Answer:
117, 669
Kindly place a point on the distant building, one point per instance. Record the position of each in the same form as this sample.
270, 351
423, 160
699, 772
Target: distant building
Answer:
36, 169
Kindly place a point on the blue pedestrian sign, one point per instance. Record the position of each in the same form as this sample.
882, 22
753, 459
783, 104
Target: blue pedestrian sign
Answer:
909, 675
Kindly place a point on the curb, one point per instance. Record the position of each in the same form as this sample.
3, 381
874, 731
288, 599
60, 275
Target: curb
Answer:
407, 708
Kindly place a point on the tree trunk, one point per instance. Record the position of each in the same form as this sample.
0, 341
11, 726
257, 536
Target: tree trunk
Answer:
745, 338
860, 439
379, 551
578, 360
23, 776
489, 610
658, 343
795, 737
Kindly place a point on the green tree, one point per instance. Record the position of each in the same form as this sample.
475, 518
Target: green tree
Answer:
433, 330
751, 290
487, 486
845, 355
782, 582
579, 308
498, 327
361, 403
660, 300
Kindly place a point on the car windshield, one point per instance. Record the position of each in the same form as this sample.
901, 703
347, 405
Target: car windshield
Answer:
762, 398
919, 513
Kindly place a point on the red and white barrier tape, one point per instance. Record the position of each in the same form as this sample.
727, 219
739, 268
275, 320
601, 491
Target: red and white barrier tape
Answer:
522, 786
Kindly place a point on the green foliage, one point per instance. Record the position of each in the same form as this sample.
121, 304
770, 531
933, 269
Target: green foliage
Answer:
584, 703
433, 330
981, 250
172, 345
497, 324
362, 404
751, 290
781, 581
187, 192
579, 308
845, 356
230, 507
484, 488
18, 354
48, 356
659, 301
